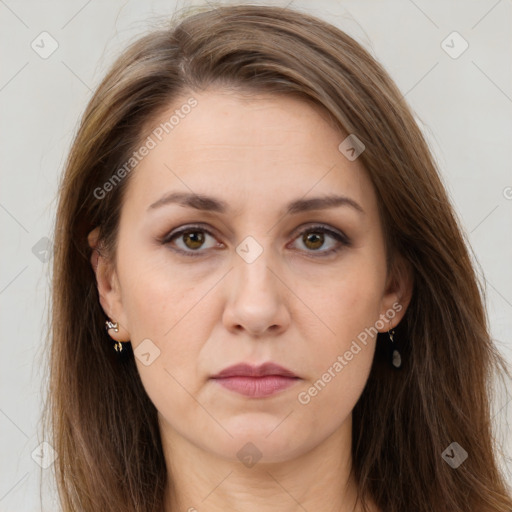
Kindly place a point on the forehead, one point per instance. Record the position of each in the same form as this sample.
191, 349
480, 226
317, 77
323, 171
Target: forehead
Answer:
246, 147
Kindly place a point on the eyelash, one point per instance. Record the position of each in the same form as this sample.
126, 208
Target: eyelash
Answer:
341, 238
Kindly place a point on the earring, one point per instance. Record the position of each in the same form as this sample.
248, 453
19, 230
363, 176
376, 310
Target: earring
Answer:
118, 346
396, 358
112, 325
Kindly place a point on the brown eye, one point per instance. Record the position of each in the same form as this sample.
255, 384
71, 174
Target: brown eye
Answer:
315, 237
193, 239
313, 240
189, 241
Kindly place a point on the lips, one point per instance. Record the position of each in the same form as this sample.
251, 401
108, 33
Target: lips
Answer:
256, 381
246, 370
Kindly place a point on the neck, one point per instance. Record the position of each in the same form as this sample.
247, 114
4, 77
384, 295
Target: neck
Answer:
318, 479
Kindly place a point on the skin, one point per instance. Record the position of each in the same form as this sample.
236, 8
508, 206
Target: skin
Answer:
290, 306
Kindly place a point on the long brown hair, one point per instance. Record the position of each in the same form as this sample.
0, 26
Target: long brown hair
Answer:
99, 418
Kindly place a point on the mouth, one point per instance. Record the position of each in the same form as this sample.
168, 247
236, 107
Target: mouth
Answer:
256, 381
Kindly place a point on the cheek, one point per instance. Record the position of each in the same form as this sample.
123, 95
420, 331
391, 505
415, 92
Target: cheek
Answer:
170, 321
352, 303
341, 360
326, 403
175, 322
175, 311
157, 296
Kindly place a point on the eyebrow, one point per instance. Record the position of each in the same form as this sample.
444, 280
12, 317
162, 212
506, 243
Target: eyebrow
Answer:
212, 204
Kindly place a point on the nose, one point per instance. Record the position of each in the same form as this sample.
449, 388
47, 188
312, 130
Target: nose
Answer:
257, 298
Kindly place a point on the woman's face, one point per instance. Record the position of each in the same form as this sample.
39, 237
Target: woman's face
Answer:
252, 280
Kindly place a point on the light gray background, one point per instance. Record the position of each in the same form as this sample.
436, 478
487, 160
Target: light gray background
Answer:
463, 105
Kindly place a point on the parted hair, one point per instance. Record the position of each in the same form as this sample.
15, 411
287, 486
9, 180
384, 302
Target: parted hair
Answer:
97, 415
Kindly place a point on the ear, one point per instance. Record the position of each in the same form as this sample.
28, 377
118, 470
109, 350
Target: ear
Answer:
397, 294
108, 288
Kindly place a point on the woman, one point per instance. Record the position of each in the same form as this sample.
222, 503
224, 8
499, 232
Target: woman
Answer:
250, 213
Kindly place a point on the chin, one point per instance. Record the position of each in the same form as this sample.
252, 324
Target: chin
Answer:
263, 443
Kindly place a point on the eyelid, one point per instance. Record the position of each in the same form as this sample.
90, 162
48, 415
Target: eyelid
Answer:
184, 229
321, 227
342, 239
166, 239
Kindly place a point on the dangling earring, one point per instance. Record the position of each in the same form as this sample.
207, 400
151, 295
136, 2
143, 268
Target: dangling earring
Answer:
118, 346
396, 358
